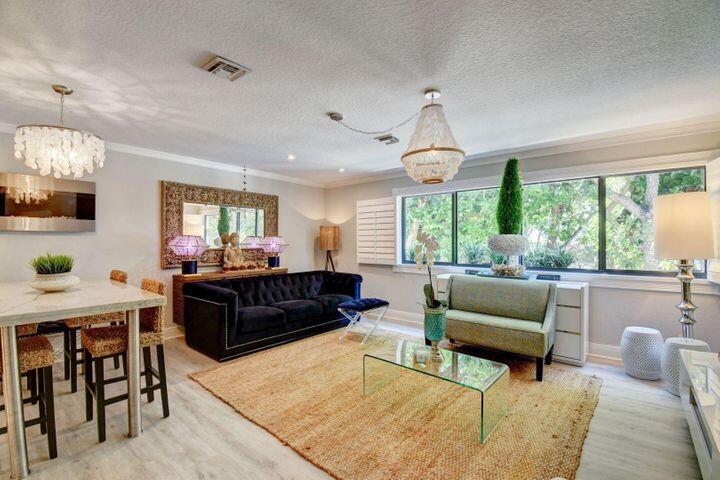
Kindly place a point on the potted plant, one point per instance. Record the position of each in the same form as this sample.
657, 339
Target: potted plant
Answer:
509, 242
434, 309
52, 273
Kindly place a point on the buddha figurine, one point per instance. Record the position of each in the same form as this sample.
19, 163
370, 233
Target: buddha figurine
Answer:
233, 257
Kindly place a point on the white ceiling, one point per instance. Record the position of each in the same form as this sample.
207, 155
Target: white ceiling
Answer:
512, 73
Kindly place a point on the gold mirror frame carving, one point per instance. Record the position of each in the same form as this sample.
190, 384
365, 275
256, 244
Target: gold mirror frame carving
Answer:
175, 194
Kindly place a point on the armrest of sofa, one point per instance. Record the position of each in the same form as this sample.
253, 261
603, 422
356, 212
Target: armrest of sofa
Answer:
549, 321
342, 283
210, 314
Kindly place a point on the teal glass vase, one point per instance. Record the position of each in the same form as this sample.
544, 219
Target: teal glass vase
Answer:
435, 329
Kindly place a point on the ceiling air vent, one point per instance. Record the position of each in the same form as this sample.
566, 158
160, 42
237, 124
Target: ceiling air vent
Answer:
222, 67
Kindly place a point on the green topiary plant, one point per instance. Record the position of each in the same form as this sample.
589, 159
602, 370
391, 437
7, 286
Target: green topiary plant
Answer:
223, 222
50, 264
509, 209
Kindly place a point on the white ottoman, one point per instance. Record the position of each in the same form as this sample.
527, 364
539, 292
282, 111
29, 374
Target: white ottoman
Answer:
671, 359
641, 349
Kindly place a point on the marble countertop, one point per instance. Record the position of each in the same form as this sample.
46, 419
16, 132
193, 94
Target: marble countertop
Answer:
20, 304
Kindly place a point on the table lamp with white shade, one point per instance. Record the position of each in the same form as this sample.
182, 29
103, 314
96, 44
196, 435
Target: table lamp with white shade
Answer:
684, 232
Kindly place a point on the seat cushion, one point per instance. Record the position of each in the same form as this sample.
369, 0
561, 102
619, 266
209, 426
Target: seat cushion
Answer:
100, 318
501, 297
298, 310
524, 337
363, 304
34, 352
256, 319
330, 301
104, 341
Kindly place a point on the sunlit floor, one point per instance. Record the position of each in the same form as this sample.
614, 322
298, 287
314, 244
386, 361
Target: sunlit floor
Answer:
638, 431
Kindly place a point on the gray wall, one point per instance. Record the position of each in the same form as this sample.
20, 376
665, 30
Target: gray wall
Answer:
127, 232
611, 310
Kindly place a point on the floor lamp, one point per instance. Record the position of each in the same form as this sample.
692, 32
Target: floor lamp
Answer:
329, 241
682, 223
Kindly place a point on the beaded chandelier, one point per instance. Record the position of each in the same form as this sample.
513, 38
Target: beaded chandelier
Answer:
433, 155
57, 149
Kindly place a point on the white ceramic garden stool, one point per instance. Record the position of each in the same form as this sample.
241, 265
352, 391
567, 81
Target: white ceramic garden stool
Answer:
641, 348
671, 359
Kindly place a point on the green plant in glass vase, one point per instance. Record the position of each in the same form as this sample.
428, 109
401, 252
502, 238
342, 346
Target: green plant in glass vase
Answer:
434, 309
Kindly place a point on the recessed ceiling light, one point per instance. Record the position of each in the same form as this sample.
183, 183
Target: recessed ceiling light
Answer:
341, 170
291, 157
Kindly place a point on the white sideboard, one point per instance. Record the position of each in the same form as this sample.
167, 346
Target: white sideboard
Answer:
571, 321
701, 412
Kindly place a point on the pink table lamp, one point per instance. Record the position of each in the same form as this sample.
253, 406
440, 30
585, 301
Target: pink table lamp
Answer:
274, 246
189, 248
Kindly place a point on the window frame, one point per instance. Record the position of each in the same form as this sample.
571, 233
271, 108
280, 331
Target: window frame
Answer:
453, 239
602, 226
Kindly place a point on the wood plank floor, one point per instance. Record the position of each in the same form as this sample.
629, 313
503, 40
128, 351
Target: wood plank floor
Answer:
638, 432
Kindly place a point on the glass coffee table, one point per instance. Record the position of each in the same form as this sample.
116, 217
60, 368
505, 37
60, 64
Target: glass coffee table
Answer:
486, 379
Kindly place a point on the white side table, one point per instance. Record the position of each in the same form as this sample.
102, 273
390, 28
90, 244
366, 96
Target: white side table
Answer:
671, 359
641, 348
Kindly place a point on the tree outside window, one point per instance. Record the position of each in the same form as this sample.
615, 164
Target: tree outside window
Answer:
561, 224
476, 224
629, 216
432, 213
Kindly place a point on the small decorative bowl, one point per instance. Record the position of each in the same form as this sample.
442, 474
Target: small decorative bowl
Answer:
56, 282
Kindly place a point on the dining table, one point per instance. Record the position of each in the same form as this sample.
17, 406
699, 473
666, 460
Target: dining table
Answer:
21, 305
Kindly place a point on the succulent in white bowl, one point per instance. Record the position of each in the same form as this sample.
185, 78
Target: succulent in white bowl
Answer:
52, 273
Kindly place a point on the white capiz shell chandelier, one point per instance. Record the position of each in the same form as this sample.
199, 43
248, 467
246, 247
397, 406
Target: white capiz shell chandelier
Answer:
433, 155
57, 149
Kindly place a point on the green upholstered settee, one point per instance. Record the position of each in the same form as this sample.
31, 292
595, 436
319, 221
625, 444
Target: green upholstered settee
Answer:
516, 316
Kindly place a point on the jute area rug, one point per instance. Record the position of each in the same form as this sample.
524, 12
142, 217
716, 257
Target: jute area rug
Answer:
308, 394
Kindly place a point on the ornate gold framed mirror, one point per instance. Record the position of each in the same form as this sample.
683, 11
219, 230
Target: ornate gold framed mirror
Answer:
213, 213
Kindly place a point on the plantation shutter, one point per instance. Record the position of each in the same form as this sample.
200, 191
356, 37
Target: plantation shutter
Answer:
712, 174
376, 231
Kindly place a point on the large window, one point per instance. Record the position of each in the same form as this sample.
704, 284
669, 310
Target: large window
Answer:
434, 214
628, 210
475, 225
588, 224
561, 224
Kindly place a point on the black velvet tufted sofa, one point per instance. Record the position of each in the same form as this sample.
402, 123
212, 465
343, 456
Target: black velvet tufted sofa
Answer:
228, 318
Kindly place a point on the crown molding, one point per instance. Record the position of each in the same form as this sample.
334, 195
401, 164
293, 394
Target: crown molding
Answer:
198, 162
592, 141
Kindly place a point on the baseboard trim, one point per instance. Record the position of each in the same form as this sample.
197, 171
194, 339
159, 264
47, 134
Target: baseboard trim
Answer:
605, 352
173, 331
400, 317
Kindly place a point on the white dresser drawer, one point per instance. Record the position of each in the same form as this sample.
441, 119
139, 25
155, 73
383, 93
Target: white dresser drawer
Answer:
568, 345
568, 319
571, 297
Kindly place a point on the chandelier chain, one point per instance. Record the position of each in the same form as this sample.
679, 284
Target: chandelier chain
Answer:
378, 132
62, 109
